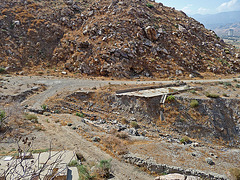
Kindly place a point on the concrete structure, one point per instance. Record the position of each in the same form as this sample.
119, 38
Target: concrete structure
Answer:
149, 93
55, 165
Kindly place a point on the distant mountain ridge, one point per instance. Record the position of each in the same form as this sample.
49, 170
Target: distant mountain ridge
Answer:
219, 18
220, 22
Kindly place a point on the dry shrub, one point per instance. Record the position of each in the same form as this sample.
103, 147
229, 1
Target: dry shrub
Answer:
13, 113
235, 173
113, 144
122, 135
113, 131
125, 121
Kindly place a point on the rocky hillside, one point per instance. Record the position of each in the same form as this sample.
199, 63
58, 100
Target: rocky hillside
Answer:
119, 38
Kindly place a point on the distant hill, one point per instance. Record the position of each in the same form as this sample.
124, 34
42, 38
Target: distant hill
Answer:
221, 22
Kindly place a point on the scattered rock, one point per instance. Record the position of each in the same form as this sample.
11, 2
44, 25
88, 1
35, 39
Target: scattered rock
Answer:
210, 161
96, 139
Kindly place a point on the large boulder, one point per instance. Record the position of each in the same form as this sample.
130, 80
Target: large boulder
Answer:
151, 33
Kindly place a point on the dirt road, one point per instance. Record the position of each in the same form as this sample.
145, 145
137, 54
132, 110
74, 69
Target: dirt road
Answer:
58, 85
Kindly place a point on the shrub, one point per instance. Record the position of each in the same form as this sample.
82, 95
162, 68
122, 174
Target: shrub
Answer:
212, 95
149, 5
227, 84
192, 91
31, 117
225, 95
194, 103
125, 121
122, 135
73, 163
2, 69
170, 98
80, 115
84, 173
237, 85
134, 124
2, 117
104, 168
185, 140
44, 107
114, 144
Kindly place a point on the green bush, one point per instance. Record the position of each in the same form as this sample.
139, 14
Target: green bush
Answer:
211, 95
170, 98
73, 163
44, 107
80, 115
134, 124
184, 140
227, 84
31, 117
84, 173
104, 168
194, 103
237, 85
192, 91
2, 117
2, 69
149, 5
225, 95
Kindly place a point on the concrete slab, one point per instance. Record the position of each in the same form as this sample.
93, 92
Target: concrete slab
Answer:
155, 92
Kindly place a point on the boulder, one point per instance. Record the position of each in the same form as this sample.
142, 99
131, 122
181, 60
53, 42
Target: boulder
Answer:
96, 139
210, 161
151, 33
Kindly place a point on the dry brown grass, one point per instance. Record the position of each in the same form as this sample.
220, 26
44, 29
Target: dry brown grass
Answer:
235, 173
115, 145
122, 135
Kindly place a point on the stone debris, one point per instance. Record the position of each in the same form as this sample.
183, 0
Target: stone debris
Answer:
152, 166
176, 176
210, 161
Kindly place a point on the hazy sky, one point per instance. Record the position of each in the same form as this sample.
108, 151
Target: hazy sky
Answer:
203, 6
